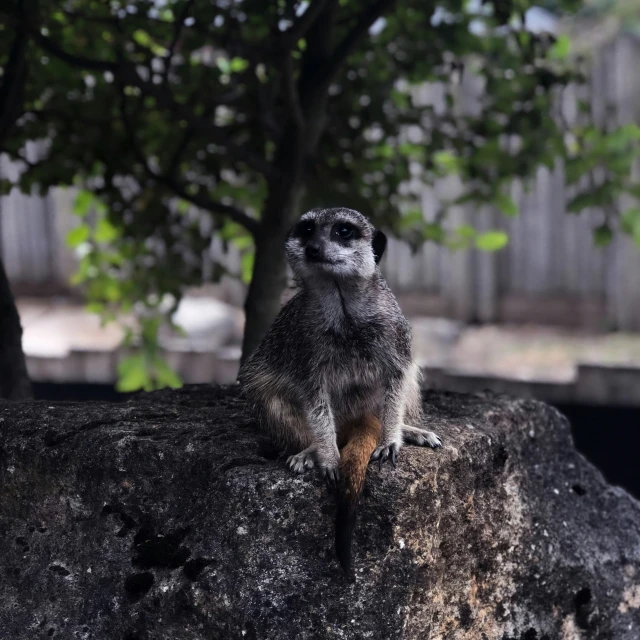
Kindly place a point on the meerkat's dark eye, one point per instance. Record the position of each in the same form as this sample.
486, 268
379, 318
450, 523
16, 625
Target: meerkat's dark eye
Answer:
346, 231
305, 229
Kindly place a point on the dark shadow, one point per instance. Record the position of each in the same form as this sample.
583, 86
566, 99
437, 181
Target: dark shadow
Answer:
609, 437
77, 392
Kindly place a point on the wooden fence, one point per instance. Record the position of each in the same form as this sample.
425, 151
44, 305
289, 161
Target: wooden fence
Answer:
549, 273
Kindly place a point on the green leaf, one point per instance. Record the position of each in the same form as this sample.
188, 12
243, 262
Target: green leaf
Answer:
413, 151
580, 202
243, 242
602, 235
445, 161
132, 374
145, 40
246, 266
630, 224
491, 240
165, 375
561, 48
238, 64
150, 328
384, 151
506, 205
111, 290
411, 219
95, 307
433, 232
5, 187
466, 231
83, 203
105, 231
600, 196
461, 238
77, 236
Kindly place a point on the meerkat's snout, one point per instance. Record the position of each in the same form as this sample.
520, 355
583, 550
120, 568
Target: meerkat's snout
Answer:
314, 251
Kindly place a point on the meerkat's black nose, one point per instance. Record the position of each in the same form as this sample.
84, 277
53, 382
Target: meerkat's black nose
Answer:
313, 251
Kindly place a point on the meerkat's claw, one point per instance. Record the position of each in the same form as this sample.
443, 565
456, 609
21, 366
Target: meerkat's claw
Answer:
432, 440
384, 453
331, 477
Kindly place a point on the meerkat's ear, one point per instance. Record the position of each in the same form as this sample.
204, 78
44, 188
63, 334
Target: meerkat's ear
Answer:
379, 243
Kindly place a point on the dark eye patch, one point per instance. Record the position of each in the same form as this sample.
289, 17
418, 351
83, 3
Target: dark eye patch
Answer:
304, 229
346, 231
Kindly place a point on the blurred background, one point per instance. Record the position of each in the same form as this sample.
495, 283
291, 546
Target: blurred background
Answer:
154, 154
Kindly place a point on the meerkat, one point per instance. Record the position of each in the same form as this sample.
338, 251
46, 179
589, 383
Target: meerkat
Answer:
336, 367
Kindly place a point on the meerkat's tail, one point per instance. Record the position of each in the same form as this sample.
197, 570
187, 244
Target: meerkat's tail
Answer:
362, 438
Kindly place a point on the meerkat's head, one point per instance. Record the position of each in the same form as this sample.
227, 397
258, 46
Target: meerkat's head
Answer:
334, 243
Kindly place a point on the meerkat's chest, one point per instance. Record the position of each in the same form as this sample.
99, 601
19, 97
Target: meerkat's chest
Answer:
353, 364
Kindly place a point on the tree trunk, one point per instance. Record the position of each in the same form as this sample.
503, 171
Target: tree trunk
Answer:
269, 272
14, 379
298, 144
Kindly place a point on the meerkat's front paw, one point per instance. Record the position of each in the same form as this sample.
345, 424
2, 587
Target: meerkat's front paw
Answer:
301, 462
386, 452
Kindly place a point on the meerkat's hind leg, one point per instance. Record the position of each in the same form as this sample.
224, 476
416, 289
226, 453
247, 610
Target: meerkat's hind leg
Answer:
420, 437
303, 461
288, 427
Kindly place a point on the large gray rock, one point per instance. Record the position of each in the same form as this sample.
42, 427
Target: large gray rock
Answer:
170, 517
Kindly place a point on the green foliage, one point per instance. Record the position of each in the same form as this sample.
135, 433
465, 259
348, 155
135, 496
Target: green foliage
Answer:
602, 235
174, 121
505, 204
146, 369
491, 240
560, 50
630, 222
117, 284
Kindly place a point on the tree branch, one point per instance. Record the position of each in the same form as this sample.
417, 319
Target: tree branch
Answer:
177, 154
203, 202
13, 79
291, 91
369, 16
208, 204
48, 114
304, 22
177, 30
77, 61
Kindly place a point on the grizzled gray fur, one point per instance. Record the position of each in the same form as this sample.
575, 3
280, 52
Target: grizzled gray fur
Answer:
338, 349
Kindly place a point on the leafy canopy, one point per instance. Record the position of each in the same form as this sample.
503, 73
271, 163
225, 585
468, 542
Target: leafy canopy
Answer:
168, 117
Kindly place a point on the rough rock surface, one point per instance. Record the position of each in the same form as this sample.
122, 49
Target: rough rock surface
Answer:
170, 517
